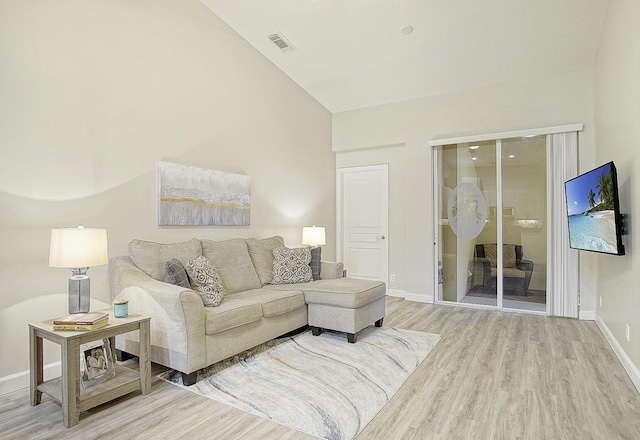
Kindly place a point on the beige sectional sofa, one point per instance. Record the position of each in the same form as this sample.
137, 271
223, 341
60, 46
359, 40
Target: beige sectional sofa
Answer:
187, 336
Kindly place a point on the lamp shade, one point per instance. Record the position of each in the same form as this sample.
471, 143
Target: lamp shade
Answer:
313, 236
78, 247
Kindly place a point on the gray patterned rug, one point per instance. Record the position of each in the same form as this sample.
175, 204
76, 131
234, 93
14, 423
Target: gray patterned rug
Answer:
320, 385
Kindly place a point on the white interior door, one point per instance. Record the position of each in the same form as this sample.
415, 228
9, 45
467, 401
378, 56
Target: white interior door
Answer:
363, 217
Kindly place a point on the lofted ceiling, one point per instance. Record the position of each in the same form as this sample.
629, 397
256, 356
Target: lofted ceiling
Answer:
351, 54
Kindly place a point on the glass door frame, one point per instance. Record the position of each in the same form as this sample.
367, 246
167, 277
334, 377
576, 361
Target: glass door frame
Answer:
497, 137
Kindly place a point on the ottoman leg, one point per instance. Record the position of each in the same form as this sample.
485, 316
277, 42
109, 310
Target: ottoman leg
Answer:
315, 331
351, 338
189, 379
379, 322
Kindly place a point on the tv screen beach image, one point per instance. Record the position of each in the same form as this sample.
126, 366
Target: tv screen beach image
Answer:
590, 206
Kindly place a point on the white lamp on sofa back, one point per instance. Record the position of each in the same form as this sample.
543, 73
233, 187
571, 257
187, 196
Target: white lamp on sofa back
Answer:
78, 249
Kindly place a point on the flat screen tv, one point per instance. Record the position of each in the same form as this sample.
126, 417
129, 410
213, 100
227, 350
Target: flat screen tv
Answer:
593, 208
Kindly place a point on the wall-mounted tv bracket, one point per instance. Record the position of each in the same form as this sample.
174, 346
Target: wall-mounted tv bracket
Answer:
623, 224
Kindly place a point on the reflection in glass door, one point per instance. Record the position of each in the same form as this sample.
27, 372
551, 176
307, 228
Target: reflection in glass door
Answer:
524, 230
491, 223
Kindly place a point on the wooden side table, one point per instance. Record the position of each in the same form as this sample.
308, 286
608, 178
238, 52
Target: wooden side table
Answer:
66, 388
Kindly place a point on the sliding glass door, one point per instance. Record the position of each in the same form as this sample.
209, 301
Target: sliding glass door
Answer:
490, 208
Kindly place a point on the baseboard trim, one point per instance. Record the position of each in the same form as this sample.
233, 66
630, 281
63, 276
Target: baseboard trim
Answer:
627, 364
419, 298
587, 316
410, 296
396, 293
21, 380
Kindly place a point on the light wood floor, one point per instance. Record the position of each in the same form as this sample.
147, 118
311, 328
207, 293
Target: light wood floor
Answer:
494, 375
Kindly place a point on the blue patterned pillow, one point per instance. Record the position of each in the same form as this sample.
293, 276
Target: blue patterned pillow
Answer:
291, 266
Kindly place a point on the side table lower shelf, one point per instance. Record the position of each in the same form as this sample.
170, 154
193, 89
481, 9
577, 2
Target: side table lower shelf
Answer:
125, 381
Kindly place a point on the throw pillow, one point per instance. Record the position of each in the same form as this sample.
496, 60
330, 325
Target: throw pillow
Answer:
175, 273
291, 266
315, 262
509, 255
206, 281
491, 253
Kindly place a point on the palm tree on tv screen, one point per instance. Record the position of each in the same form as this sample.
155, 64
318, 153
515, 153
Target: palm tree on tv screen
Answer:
592, 198
605, 190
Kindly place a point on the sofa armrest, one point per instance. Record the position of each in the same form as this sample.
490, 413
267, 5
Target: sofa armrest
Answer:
177, 315
330, 270
526, 265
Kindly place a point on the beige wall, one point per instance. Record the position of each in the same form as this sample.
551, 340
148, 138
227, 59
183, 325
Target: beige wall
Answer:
399, 134
93, 95
617, 103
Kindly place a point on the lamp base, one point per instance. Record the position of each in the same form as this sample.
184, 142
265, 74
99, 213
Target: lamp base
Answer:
79, 293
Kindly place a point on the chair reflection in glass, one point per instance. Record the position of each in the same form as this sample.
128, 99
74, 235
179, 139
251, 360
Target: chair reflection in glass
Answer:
516, 270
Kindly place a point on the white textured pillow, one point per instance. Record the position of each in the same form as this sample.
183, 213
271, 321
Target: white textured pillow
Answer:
291, 266
206, 281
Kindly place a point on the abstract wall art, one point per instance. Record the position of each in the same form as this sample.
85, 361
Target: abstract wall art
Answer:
190, 196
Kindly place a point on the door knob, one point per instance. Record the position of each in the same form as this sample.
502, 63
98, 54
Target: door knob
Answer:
383, 237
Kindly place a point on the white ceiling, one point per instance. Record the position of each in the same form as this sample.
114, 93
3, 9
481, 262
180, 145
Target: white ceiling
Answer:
351, 54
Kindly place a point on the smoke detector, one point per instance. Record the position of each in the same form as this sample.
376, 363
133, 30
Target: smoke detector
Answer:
279, 40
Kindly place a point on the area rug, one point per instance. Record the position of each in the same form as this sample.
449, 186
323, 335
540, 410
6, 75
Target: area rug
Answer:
320, 385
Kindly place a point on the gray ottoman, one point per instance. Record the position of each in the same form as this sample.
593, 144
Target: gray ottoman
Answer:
346, 305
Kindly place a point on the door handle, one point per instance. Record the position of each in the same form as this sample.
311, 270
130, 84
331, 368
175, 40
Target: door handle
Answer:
383, 237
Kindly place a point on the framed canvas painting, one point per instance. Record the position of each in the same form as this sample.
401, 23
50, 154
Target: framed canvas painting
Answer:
190, 196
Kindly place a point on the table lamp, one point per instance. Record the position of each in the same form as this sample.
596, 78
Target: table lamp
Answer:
313, 236
78, 249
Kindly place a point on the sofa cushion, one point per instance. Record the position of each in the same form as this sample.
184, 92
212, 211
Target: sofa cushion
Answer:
176, 274
291, 265
150, 257
350, 293
261, 252
509, 272
233, 312
233, 263
205, 281
274, 302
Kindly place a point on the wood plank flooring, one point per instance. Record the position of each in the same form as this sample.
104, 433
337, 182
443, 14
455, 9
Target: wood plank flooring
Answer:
494, 375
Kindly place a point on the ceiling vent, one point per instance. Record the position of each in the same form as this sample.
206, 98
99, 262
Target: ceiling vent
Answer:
279, 40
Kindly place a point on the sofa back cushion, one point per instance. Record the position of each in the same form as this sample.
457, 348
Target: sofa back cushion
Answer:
261, 252
232, 261
150, 257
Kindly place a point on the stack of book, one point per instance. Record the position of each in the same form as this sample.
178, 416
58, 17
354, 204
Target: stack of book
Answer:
82, 321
